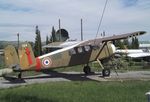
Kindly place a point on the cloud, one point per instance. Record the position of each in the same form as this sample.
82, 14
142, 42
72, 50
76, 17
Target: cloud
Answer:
129, 3
121, 16
11, 7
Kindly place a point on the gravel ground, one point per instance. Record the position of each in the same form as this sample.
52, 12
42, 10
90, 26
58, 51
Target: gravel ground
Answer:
8, 82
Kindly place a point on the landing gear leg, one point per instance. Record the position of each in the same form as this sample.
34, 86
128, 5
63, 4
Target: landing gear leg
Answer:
105, 72
87, 69
20, 75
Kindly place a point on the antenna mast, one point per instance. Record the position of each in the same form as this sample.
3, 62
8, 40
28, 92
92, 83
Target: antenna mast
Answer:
81, 30
100, 23
59, 31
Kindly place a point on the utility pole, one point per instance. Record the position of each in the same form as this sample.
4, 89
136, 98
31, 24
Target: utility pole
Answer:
59, 31
18, 39
81, 30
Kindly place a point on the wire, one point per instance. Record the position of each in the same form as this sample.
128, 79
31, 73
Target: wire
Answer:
100, 23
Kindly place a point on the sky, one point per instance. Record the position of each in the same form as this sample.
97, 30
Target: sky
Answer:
121, 16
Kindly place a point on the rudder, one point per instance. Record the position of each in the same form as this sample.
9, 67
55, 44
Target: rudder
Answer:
26, 57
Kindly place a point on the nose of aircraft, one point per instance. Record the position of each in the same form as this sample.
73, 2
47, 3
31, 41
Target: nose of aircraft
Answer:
113, 48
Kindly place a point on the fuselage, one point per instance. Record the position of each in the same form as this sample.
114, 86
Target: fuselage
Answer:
76, 54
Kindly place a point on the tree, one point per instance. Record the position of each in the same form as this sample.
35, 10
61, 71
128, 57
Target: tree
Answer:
132, 43
38, 43
119, 43
126, 43
47, 40
53, 35
136, 43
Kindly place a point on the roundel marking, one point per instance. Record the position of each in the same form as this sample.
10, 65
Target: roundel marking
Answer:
46, 62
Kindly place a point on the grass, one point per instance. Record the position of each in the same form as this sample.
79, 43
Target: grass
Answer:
80, 91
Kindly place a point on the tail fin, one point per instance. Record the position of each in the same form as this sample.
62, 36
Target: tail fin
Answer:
11, 57
26, 60
26, 57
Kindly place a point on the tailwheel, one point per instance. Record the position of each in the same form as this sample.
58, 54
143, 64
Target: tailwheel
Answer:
106, 72
20, 75
87, 69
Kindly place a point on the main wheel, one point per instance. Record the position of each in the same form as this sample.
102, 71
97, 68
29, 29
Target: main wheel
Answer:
20, 75
106, 72
87, 70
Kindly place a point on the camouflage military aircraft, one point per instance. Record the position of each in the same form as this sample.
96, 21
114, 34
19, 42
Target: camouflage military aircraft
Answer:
79, 53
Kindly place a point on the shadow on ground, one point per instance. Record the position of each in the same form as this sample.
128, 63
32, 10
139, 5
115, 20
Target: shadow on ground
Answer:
49, 75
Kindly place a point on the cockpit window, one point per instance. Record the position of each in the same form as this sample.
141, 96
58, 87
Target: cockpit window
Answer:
87, 48
80, 50
72, 52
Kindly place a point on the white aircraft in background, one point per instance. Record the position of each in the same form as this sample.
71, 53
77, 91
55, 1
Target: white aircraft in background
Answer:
1, 52
135, 53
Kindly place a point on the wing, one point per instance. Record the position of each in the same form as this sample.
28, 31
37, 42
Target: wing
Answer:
113, 38
139, 55
1, 53
123, 36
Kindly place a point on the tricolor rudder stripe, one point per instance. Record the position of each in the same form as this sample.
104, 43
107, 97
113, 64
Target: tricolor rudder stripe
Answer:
29, 56
38, 64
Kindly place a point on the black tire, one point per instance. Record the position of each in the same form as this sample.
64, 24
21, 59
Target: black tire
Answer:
106, 72
20, 75
87, 70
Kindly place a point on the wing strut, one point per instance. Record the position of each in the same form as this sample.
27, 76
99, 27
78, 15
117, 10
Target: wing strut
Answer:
99, 62
105, 72
113, 64
104, 43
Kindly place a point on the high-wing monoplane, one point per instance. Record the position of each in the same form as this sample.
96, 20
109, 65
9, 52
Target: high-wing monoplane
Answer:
80, 53
143, 54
